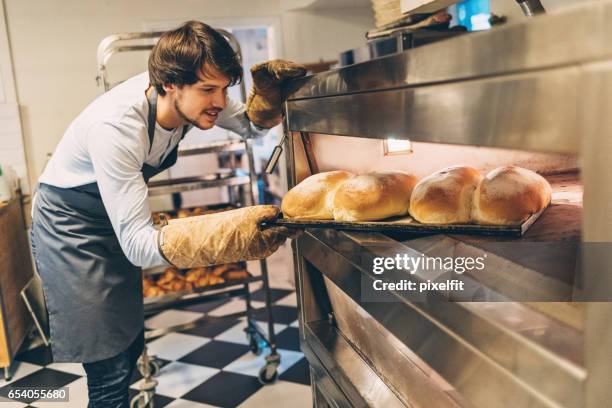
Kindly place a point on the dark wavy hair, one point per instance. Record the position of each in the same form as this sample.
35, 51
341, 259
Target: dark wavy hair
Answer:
180, 54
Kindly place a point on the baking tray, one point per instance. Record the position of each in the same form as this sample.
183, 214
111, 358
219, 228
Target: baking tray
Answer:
407, 224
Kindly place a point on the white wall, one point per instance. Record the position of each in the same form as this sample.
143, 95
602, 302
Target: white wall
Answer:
54, 45
310, 35
11, 140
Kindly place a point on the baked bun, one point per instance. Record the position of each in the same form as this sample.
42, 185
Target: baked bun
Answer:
509, 195
312, 198
445, 197
373, 196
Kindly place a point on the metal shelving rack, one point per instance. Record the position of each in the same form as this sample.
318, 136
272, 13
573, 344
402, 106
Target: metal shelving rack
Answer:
183, 184
149, 366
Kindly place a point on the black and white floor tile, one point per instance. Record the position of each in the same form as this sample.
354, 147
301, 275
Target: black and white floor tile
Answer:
209, 365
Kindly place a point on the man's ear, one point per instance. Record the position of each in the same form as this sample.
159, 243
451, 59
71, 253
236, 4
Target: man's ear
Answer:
169, 88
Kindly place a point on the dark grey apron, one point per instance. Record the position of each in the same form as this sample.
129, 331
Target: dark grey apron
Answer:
92, 291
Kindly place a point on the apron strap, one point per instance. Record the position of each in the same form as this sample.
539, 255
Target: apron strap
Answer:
150, 171
186, 128
152, 99
152, 117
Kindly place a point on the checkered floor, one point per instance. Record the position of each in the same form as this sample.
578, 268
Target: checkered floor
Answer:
208, 366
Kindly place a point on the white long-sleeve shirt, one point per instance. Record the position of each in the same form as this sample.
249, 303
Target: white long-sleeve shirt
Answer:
108, 143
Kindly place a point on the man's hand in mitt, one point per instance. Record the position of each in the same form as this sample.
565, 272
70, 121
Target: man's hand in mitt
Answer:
265, 100
221, 238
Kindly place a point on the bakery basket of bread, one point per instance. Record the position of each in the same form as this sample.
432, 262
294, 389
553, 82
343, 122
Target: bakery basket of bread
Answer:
177, 282
457, 199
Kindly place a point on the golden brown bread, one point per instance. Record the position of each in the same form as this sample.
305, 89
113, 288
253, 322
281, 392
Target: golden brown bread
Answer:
312, 198
236, 274
509, 195
194, 274
147, 283
373, 196
150, 288
445, 197
154, 291
221, 269
183, 213
169, 275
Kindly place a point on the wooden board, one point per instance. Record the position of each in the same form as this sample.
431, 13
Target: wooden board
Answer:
424, 6
409, 225
15, 271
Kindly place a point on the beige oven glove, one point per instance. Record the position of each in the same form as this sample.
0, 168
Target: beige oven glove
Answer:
265, 100
221, 238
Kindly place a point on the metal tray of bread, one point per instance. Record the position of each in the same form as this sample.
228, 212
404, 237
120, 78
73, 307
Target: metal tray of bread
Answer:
169, 283
407, 224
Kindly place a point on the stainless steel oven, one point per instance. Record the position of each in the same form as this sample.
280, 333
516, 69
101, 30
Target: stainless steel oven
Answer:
537, 94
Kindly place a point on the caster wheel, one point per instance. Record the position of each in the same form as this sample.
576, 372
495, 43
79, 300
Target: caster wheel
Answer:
154, 368
267, 375
141, 400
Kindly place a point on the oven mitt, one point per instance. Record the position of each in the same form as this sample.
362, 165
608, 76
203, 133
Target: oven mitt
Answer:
265, 100
221, 238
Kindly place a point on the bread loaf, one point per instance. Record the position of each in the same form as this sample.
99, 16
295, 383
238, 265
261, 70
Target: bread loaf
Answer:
445, 197
373, 196
509, 195
313, 197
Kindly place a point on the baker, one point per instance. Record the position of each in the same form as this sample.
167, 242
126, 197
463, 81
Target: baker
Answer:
92, 230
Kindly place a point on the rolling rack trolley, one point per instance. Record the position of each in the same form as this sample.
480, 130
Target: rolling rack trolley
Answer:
149, 365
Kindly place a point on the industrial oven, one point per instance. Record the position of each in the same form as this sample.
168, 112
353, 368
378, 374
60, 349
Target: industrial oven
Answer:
537, 94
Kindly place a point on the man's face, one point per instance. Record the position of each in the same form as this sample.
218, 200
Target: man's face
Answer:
200, 103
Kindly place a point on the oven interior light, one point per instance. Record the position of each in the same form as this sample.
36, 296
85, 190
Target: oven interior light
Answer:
397, 146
